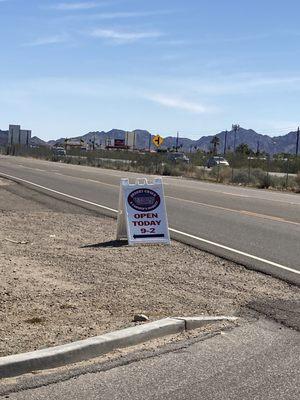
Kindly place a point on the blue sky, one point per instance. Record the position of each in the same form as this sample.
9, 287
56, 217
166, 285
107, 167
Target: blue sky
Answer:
196, 66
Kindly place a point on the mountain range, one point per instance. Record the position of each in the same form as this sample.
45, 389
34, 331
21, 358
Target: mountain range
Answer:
272, 145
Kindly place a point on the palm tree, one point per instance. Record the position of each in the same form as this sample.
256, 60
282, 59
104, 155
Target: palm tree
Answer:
215, 142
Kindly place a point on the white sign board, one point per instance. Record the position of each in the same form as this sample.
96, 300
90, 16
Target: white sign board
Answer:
142, 216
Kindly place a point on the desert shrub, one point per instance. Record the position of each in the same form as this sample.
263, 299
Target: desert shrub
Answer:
171, 169
79, 161
187, 170
242, 176
258, 173
261, 179
225, 175
264, 182
297, 182
221, 174
200, 174
167, 169
67, 160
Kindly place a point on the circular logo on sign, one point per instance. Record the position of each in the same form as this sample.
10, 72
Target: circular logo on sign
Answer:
144, 200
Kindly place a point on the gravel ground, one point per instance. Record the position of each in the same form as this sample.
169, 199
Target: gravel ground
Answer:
64, 279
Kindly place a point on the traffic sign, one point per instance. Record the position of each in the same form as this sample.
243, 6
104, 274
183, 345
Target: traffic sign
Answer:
157, 140
142, 216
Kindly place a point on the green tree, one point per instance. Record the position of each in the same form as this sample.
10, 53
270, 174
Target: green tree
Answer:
243, 148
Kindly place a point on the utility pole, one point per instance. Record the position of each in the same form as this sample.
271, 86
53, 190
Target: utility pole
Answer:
235, 127
225, 142
297, 141
287, 170
177, 141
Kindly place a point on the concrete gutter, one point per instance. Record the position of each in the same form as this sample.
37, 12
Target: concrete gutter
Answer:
53, 357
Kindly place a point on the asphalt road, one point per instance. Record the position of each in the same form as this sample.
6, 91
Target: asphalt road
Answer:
255, 361
260, 223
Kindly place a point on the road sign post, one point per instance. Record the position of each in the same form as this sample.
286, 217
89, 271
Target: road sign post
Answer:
142, 217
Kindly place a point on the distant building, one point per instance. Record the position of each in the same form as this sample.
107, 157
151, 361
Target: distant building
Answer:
74, 144
18, 136
128, 143
3, 138
116, 144
130, 139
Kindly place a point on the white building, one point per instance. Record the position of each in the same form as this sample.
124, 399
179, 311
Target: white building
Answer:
130, 139
19, 136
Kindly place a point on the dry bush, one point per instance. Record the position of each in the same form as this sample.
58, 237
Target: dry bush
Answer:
297, 181
225, 175
199, 174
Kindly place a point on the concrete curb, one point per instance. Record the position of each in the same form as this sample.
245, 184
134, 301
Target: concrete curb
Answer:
198, 322
52, 357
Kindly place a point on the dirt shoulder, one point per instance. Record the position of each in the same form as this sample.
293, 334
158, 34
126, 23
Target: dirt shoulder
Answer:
62, 280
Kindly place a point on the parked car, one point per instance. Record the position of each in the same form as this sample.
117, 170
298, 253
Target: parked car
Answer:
178, 157
59, 151
217, 160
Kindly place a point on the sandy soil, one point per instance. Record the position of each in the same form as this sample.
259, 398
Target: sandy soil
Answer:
62, 279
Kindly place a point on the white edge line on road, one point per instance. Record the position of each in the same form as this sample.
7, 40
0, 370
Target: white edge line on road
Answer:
60, 193
221, 246
236, 251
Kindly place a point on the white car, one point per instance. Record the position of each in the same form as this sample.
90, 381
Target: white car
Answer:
217, 160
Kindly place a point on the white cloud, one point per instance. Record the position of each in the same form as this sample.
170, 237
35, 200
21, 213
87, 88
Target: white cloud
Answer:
121, 14
65, 86
178, 103
48, 40
75, 6
238, 84
115, 15
122, 36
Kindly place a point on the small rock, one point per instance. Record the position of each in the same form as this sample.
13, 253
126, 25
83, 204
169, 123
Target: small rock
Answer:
35, 320
140, 318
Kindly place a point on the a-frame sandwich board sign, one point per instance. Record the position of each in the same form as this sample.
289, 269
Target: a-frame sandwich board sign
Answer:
142, 216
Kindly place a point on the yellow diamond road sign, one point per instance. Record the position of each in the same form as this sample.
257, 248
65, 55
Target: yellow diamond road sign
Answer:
158, 140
